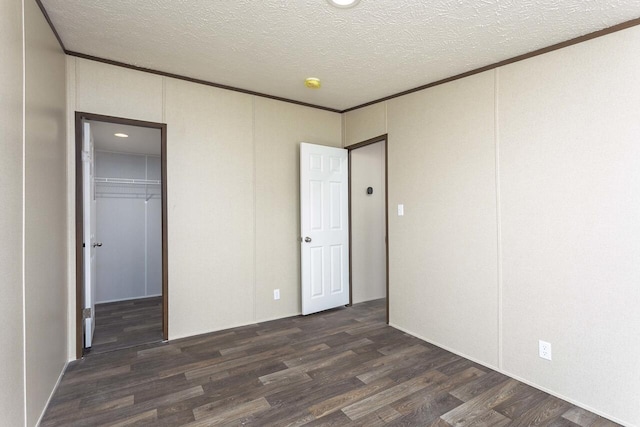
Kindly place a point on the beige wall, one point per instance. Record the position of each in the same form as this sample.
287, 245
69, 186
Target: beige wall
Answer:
521, 192
368, 227
443, 251
33, 302
11, 144
279, 127
365, 123
120, 93
210, 195
45, 212
232, 163
569, 138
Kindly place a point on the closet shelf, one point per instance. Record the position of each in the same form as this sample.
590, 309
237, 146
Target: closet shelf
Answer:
127, 181
127, 188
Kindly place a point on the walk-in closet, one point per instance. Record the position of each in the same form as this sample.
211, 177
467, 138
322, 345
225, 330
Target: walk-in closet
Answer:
129, 223
128, 230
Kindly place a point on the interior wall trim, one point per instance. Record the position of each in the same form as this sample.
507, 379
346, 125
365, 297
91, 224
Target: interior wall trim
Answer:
171, 75
198, 81
576, 40
53, 28
567, 43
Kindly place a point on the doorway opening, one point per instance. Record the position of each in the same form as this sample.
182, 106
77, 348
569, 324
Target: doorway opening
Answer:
121, 233
368, 230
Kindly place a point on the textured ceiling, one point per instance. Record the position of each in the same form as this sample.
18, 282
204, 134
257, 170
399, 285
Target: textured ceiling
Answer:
141, 140
378, 48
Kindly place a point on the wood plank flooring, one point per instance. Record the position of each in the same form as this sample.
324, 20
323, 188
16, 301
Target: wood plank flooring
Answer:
344, 367
125, 324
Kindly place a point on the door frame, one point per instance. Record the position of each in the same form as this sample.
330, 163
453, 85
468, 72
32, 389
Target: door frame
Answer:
350, 148
79, 117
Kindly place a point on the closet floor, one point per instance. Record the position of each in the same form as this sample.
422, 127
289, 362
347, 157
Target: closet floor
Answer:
125, 324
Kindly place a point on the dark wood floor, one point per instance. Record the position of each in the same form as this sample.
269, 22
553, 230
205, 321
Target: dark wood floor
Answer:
338, 368
125, 324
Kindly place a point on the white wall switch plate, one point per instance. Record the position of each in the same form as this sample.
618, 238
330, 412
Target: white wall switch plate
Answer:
400, 210
544, 349
276, 294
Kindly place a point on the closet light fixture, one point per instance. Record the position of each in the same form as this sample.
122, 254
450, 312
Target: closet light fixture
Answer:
343, 4
121, 135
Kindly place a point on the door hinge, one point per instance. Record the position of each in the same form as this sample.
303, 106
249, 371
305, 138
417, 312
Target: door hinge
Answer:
86, 313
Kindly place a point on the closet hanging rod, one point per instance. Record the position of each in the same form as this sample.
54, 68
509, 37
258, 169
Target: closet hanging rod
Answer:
128, 181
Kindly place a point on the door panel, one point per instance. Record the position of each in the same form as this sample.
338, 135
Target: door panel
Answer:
335, 207
337, 256
89, 231
317, 283
315, 201
324, 227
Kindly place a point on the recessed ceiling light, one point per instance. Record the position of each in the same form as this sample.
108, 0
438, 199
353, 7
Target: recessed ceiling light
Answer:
343, 4
312, 83
121, 135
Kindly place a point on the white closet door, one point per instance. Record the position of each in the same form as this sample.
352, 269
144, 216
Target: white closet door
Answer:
89, 231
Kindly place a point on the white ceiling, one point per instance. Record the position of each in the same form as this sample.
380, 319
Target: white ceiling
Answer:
141, 140
376, 49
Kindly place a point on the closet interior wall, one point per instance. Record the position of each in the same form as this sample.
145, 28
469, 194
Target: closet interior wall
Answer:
129, 221
368, 223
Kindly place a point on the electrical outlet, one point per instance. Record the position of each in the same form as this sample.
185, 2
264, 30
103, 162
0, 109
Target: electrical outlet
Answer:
544, 349
400, 210
276, 294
